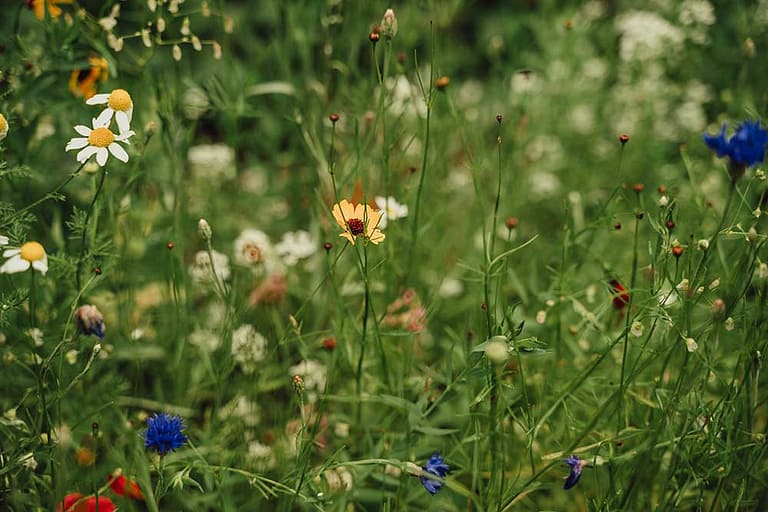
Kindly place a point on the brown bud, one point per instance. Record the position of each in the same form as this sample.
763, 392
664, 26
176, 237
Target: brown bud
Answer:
442, 83
511, 222
97, 271
327, 246
638, 187
374, 37
677, 251
670, 224
333, 118
623, 138
617, 226
170, 245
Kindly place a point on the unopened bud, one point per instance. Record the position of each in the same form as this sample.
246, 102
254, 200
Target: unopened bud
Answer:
496, 350
389, 24
205, 230
298, 385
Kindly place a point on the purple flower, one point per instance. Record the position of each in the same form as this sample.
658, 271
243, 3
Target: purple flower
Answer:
435, 466
745, 148
164, 433
576, 464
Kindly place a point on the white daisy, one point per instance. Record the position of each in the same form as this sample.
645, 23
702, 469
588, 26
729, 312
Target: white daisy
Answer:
118, 104
31, 254
99, 141
390, 210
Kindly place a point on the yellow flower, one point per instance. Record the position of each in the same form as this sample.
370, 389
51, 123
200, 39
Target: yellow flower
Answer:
358, 220
39, 7
82, 82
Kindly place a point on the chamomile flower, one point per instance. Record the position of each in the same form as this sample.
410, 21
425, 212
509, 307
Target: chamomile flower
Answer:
119, 105
99, 141
3, 127
31, 254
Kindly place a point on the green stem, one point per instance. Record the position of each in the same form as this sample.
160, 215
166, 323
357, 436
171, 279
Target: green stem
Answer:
85, 227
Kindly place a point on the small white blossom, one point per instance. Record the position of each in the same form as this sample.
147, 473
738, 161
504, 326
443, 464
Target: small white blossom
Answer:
253, 247
636, 329
294, 246
390, 210
249, 347
200, 271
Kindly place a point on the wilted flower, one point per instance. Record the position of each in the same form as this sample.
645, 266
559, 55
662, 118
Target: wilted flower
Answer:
164, 433
90, 321
76, 502
31, 254
99, 141
358, 221
119, 105
745, 148
82, 82
435, 466
576, 464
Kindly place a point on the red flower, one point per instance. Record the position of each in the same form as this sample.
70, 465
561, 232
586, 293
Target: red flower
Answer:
125, 487
620, 294
75, 502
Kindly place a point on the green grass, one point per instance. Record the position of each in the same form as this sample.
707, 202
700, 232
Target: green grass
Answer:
484, 326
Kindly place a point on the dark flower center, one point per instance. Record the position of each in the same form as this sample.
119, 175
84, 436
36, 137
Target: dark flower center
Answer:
356, 227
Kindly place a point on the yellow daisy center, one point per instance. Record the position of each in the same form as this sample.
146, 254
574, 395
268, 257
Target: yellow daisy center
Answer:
101, 137
32, 251
119, 99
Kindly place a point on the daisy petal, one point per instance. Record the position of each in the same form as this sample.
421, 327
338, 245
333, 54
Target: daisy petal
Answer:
13, 265
118, 152
98, 99
101, 156
123, 137
86, 153
123, 122
83, 130
41, 265
76, 143
11, 252
104, 118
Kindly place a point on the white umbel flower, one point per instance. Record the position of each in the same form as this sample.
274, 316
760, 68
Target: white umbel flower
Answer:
119, 105
99, 141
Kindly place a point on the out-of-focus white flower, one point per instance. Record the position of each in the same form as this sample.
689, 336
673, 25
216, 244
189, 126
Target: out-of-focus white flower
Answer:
294, 246
697, 12
541, 316
450, 288
31, 254
212, 162
691, 345
405, 97
28, 461
636, 329
71, 356
195, 102
663, 201
200, 271
646, 36
253, 247
205, 339
249, 347
312, 372
260, 456
247, 410
390, 210
730, 324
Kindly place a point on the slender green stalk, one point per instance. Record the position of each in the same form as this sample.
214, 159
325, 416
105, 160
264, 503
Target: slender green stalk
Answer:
85, 226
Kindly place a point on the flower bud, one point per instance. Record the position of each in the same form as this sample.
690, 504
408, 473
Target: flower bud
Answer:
691, 345
90, 321
205, 230
496, 350
298, 385
389, 24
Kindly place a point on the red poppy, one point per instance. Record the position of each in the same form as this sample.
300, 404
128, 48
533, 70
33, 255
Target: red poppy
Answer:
620, 294
75, 502
126, 487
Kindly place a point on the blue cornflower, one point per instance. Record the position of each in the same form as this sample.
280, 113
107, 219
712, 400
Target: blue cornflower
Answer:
164, 433
576, 464
436, 466
745, 148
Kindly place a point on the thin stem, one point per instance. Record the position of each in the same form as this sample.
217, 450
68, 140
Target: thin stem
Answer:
49, 195
85, 227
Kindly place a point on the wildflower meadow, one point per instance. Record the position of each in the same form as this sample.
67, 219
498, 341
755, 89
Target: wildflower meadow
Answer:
357, 256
